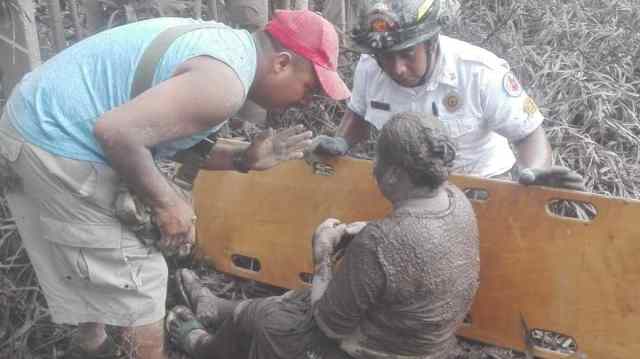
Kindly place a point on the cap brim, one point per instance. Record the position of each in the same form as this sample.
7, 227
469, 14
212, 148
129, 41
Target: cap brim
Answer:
331, 83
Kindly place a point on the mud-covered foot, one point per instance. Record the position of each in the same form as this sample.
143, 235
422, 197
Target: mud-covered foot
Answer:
198, 298
188, 285
183, 329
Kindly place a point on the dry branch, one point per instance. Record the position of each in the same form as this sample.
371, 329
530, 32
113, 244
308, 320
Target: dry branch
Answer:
55, 15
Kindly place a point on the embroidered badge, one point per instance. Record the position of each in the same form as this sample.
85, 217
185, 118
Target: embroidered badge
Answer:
452, 102
511, 85
530, 106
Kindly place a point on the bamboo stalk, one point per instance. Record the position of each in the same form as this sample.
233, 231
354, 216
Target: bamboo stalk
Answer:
197, 9
300, 5
213, 9
75, 17
56, 24
284, 4
95, 19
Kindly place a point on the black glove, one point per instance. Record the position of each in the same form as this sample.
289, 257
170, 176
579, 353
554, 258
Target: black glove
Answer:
332, 146
554, 176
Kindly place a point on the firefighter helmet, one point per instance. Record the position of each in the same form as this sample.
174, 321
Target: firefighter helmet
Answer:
393, 25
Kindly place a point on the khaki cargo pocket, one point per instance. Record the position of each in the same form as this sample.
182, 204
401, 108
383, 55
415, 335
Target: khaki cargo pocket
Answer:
102, 268
89, 235
79, 178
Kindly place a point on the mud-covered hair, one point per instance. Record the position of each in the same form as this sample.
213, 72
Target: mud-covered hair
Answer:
411, 141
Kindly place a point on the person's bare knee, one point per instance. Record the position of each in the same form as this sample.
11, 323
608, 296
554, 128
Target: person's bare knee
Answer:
90, 336
91, 340
145, 341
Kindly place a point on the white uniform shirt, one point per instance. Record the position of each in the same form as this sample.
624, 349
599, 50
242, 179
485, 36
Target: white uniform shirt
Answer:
479, 101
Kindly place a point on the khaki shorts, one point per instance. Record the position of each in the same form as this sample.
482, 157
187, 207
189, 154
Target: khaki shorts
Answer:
90, 267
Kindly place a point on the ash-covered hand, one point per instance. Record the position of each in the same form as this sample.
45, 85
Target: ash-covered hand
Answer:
270, 148
176, 223
554, 176
329, 234
326, 237
331, 146
354, 228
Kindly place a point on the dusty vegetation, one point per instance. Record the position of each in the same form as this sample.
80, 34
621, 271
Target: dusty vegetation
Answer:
579, 59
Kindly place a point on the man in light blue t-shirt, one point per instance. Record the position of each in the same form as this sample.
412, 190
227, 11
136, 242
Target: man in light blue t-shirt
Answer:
72, 131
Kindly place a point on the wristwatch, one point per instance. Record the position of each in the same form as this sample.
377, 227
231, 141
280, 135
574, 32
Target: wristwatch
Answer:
241, 162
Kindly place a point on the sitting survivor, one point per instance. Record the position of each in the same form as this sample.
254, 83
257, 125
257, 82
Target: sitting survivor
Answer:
402, 289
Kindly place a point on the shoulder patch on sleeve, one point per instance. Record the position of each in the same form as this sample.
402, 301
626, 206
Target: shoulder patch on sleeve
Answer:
530, 106
511, 85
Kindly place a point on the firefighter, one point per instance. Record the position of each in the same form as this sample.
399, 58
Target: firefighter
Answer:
408, 65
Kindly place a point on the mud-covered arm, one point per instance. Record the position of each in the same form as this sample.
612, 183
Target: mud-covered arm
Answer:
357, 284
353, 128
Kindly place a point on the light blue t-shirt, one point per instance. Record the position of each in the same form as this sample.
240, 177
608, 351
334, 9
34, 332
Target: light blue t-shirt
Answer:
57, 105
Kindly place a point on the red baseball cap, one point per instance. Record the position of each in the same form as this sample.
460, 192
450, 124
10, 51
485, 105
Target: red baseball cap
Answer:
314, 38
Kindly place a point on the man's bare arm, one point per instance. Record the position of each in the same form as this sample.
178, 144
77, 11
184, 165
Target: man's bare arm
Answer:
221, 157
353, 128
535, 164
268, 149
188, 103
534, 151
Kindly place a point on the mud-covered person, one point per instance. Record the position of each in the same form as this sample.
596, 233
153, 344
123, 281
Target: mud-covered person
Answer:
402, 289
407, 65
71, 132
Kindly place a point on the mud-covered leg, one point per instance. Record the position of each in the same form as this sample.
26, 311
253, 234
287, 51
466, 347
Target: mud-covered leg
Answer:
189, 335
145, 341
91, 340
209, 309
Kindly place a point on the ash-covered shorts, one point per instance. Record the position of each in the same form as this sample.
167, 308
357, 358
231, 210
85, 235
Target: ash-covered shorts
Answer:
90, 267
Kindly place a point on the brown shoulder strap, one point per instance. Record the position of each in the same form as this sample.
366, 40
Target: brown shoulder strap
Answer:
143, 78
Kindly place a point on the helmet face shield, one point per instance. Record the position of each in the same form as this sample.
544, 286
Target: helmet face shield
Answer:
393, 25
